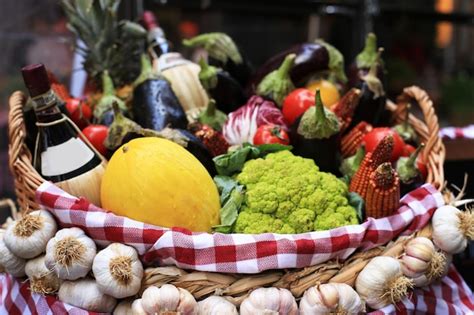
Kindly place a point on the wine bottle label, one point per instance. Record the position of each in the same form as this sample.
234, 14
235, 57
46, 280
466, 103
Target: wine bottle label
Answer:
43, 101
65, 157
170, 60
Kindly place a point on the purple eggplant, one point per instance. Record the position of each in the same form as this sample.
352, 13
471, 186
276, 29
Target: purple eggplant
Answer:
311, 59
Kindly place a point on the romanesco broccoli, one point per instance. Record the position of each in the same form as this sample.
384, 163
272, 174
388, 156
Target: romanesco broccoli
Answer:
288, 194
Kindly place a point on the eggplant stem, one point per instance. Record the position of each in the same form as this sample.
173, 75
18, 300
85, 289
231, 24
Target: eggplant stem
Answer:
286, 66
107, 84
320, 112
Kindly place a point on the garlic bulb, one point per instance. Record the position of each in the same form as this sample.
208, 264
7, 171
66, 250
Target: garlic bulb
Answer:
85, 294
452, 228
70, 254
12, 264
137, 308
418, 254
168, 298
269, 301
123, 308
381, 282
118, 271
438, 268
27, 237
216, 305
42, 280
331, 298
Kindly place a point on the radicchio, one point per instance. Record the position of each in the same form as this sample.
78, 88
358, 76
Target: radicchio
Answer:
242, 124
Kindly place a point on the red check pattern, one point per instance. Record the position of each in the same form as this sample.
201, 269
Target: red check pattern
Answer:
450, 296
238, 253
457, 132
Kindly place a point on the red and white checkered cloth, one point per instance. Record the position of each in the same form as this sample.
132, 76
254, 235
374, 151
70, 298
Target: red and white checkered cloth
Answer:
457, 132
238, 253
449, 297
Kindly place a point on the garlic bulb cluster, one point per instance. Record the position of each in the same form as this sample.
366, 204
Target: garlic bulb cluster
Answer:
331, 298
85, 294
42, 280
168, 298
452, 228
418, 254
28, 236
12, 264
137, 308
269, 301
381, 282
216, 305
118, 271
70, 254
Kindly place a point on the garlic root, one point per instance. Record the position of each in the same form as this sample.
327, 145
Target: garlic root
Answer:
42, 280
27, 237
70, 254
118, 271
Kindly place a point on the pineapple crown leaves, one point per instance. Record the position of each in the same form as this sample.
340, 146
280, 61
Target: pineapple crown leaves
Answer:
108, 44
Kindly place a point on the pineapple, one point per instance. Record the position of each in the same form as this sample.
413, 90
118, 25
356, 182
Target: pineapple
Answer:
109, 44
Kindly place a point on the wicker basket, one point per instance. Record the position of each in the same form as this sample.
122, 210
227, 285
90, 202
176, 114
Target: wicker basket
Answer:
27, 179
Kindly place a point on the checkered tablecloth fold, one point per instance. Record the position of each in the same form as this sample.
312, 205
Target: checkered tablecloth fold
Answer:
238, 253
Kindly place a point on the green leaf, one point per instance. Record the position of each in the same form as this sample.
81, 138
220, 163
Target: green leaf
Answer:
233, 162
356, 201
230, 210
225, 185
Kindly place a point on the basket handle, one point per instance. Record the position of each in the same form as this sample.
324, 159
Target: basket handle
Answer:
434, 152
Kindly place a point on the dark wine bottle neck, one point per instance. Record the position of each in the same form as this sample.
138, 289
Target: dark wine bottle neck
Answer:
46, 107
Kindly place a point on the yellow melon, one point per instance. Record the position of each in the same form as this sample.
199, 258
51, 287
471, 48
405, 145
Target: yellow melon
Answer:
156, 181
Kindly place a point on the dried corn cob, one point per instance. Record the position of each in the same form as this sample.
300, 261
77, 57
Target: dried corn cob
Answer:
345, 108
59, 89
383, 193
352, 141
372, 160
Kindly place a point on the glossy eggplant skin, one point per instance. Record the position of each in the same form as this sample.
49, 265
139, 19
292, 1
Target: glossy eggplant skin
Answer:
370, 109
411, 185
155, 106
355, 75
197, 148
241, 72
324, 152
310, 58
228, 93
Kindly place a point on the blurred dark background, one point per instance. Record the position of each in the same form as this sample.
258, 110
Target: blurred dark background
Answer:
429, 43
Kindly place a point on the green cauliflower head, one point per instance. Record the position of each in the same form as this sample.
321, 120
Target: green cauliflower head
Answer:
288, 194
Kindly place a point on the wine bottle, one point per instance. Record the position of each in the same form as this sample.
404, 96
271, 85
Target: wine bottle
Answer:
182, 73
61, 155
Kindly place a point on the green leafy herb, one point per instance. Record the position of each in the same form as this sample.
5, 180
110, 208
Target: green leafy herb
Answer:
231, 196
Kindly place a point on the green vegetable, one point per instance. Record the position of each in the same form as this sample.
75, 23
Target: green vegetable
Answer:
212, 117
406, 166
288, 194
404, 129
277, 84
233, 162
218, 45
336, 61
207, 75
350, 165
232, 196
108, 97
368, 56
318, 122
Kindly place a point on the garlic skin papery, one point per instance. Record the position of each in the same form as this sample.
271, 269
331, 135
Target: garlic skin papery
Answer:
168, 298
418, 254
42, 280
137, 308
123, 308
85, 294
216, 305
28, 236
438, 268
70, 254
331, 298
12, 264
381, 282
118, 271
452, 228
269, 301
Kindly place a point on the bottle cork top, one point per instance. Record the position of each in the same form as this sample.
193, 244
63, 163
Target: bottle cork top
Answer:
149, 20
36, 79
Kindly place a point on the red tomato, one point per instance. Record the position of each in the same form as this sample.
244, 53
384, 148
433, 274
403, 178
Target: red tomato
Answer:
79, 111
296, 103
408, 150
373, 138
270, 134
96, 134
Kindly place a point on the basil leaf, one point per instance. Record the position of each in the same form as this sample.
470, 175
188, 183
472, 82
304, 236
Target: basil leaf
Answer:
230, 210
225, 185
